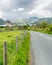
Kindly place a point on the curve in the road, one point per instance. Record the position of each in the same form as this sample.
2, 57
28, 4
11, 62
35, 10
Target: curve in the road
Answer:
41, 46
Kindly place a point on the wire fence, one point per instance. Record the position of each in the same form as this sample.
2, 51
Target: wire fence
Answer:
14, 45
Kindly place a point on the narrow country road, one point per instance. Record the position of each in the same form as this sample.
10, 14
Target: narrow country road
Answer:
41, 47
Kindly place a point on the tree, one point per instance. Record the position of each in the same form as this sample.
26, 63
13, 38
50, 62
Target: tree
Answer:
7, 28
25, 27
50, 27
43, 24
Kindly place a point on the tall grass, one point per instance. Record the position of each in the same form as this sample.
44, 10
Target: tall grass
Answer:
20, 57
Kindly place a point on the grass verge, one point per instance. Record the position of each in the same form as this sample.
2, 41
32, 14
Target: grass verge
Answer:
22, 56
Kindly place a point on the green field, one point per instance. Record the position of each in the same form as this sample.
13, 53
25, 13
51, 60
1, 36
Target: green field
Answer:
13, 57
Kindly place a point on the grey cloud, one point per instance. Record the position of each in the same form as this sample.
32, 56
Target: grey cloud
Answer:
15, 4
27, 4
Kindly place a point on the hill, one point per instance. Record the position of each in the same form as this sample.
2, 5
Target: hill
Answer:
48, 20
33, 20
30, 20
2, 22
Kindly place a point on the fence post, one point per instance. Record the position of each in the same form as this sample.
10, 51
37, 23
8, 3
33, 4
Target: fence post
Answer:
21, 38
25, 33
16, 43
5, 53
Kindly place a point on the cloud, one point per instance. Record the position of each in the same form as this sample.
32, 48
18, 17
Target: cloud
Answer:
49, 7
40, 13
0, 14
39, 9
14, 9
42, 3
20, 9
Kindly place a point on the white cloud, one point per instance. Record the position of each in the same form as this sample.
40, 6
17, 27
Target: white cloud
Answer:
42, 3
39, 9
0, 14
20, 9
40, 13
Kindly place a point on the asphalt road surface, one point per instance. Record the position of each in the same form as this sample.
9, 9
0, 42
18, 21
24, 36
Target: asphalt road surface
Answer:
41, 47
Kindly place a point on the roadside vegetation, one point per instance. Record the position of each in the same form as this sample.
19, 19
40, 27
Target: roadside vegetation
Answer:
43, 27
22, 55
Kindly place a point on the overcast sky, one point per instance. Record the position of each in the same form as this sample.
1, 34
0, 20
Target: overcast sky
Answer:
16, 9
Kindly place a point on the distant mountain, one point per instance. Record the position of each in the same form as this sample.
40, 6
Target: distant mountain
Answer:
2, 22
9, 22
34, 20
27, 20
48, 20
30, 20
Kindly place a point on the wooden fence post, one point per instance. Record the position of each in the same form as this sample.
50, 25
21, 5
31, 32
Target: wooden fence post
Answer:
5, 53
25, 33
21, 38
16, 43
